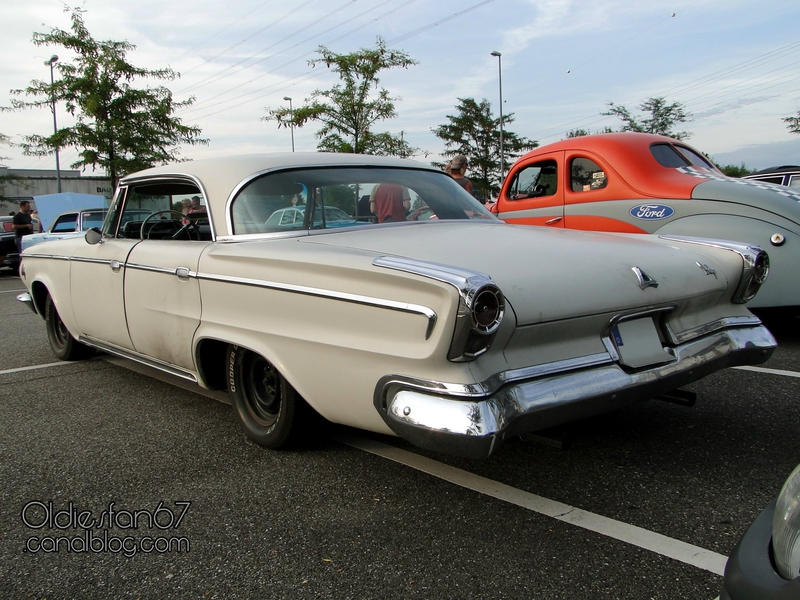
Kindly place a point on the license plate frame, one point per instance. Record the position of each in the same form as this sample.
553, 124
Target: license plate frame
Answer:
638, 343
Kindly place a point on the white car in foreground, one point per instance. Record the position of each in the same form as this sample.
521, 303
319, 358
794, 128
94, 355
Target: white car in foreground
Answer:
454, 333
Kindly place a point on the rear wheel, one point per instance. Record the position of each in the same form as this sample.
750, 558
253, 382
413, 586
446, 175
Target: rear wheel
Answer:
269, 409
63, 345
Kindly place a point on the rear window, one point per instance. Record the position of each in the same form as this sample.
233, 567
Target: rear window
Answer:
668, 157
334, 197
698, 160
673, 157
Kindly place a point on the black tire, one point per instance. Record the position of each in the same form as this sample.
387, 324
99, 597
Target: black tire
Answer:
269, 409
63, 345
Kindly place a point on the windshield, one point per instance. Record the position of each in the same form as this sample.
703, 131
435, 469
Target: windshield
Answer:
325, 198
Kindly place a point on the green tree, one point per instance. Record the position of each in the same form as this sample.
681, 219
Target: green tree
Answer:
793, 123
659, 117
475, 133
118, 127
350, 109
573, 133
734, 171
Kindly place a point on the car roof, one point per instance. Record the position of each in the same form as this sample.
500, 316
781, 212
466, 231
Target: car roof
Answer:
629, 154
781, 169
220, 176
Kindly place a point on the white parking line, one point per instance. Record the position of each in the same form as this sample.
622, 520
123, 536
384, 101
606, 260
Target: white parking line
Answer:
35, 367
641, 538
13, 291
770, 371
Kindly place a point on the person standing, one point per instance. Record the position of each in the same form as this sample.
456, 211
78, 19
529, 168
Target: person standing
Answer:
23, 223
458, 168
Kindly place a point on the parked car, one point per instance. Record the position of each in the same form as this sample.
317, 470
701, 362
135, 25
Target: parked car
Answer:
66, 225
294, 216
74, 224
788, 175
643, 183
765, 565
454, 333
9, 253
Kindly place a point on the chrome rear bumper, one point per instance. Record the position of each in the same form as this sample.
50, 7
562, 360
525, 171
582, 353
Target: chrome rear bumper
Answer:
472, 420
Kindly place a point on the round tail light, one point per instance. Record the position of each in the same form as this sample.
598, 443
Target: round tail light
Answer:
488, 307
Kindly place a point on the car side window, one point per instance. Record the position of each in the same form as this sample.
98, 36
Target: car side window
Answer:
160, 210
777, 180
534, 181
65, 224
794, 181
586, 175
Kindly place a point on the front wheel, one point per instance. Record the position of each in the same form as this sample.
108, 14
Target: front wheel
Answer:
267, 406
63, 345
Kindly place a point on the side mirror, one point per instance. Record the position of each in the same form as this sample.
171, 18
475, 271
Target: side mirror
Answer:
93, 236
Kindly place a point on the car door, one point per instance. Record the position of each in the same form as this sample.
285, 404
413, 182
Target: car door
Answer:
97, 276
535, 195
162, 292
162, 299
597, 199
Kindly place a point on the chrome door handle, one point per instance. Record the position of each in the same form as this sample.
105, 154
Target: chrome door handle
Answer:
115, 265
182, 273
551, 221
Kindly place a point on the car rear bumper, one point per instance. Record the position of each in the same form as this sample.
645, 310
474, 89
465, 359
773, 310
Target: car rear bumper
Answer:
749, 574
472, 420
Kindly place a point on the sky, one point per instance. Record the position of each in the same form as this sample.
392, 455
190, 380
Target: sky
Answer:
733, 64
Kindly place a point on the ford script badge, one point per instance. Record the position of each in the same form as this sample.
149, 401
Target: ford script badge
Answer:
651, 212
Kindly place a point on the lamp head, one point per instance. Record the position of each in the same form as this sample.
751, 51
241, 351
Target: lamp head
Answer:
496, 53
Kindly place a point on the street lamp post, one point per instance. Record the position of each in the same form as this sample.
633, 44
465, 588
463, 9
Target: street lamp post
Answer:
53, 60
291, 117
502, 147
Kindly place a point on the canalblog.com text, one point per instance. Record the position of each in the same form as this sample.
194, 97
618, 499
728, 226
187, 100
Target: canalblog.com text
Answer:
116, 530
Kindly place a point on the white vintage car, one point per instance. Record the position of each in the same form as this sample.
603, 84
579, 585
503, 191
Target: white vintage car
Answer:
454, 333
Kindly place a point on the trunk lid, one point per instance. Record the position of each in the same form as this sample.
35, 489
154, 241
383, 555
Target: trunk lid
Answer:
549, 274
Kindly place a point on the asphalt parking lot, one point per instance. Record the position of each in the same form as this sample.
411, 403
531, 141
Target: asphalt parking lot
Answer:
645, 503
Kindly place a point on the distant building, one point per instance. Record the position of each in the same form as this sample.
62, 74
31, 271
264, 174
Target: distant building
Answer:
38, 182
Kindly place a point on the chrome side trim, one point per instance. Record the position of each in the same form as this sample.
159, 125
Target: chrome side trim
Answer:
750, 255
455, 276
164, 270
140, 358
405, 307
96, 261
748, 252
185, 273
27, 256
469, 285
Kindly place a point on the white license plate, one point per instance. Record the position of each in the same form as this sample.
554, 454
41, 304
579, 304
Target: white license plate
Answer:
638, 343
